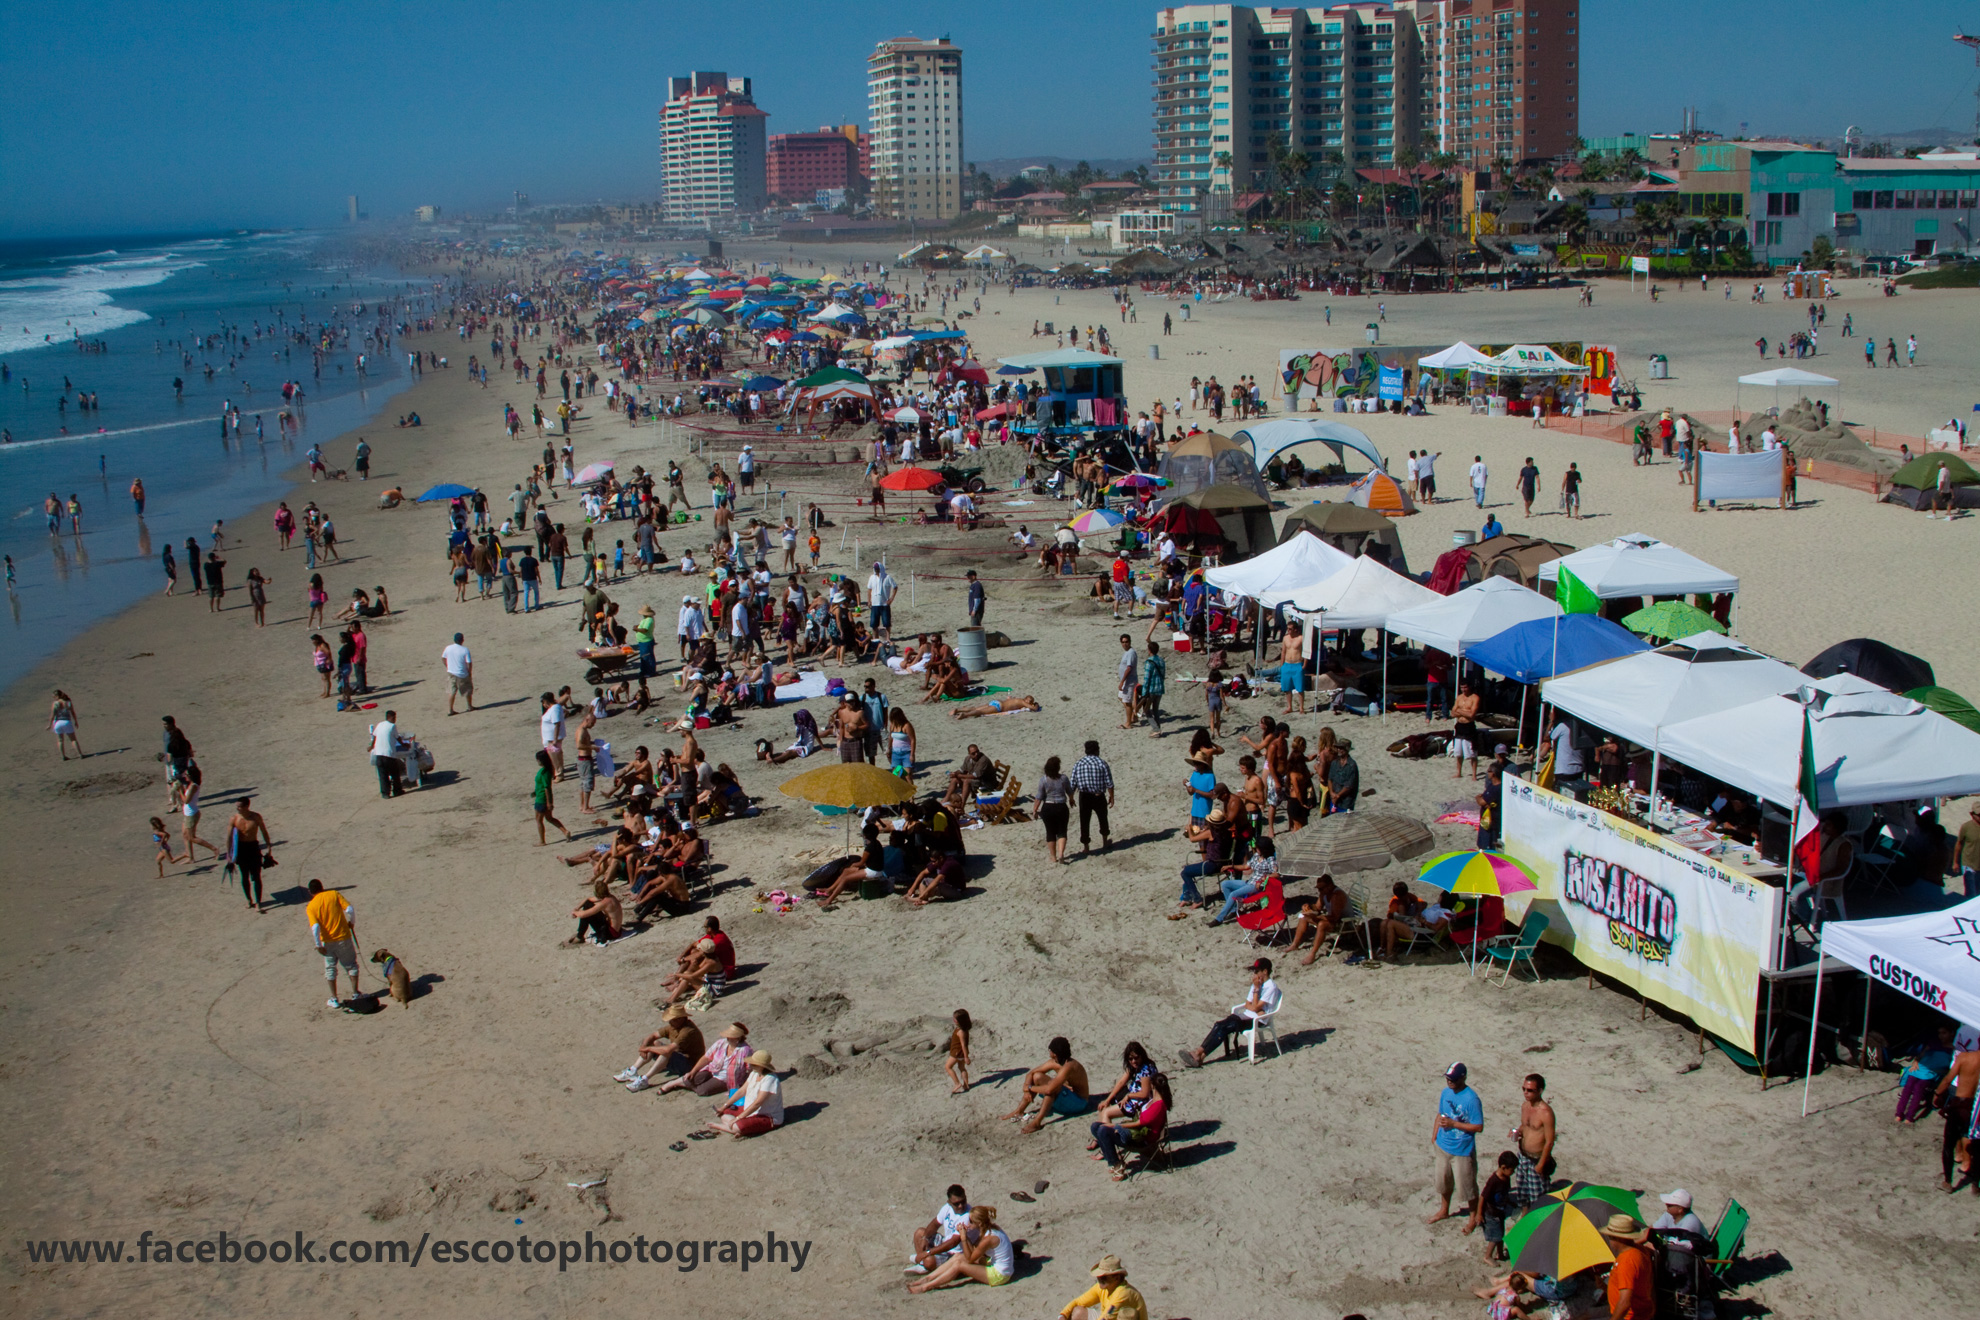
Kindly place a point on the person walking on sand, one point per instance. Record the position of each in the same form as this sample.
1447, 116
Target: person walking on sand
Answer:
1292, 667
543, 798
1571, 491
247, 839
1128, 682
1529, 484
459, 664
1460, 1118
956, 1064
333, 930
62, 721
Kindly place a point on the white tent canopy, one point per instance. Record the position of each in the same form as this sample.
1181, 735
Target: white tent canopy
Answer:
1530, 360
1932, 957
1270, 439
984, 253
1870, 746
1639, 565
1365, 595
1792, 376
1272, 578
833, 312
1458, 355
1483, 610
1637, 695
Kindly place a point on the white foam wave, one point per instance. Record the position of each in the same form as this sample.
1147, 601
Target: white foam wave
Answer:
47, 311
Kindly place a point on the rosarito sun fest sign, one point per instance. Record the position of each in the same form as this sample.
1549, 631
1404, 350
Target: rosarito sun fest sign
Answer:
1674, 925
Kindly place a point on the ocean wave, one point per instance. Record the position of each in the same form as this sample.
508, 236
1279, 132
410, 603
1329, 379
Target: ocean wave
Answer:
47, 311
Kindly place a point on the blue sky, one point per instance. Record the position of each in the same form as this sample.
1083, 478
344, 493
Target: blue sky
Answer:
122, 116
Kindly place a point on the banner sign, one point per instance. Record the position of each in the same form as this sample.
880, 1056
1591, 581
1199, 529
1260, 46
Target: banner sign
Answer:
1667, 922
1639, 265
1741, 476
1389, 383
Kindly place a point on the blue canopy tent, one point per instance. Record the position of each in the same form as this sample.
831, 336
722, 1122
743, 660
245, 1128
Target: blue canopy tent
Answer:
1547, 648
1270, 439
446, 491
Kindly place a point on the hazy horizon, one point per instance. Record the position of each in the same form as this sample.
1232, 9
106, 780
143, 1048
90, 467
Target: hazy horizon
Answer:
211, 118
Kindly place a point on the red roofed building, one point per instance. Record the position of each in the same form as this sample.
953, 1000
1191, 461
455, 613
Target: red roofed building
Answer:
801, 164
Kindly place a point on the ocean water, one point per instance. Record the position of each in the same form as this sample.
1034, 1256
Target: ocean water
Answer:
148, 301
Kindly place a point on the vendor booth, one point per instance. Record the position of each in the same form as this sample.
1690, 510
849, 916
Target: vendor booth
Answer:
1457, 623
1636, 565
1526, 378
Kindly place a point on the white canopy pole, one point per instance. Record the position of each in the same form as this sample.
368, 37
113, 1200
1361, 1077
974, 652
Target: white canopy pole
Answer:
1814, 1021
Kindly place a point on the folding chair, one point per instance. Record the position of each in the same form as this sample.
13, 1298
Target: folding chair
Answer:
1357, 914
1263, 1024
1511, 949
1728, 1236
1006, 811
1266, 916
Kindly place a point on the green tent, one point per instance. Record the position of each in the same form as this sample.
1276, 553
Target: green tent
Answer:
829, 376
1949, 704
1922, 472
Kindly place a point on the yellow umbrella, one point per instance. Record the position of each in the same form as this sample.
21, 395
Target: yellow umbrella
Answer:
848, 784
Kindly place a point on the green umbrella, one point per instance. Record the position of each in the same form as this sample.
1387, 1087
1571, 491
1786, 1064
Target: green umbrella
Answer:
1598, 1201
1671, 620
1947, 702
1558, 1238
1922, 473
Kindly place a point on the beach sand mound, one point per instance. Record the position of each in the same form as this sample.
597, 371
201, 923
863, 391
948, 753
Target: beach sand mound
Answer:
111, 784
1802, 428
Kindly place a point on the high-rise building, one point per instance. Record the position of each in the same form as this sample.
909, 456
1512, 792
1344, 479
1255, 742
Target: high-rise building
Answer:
1501, 78
351, 208
914, 102
1355, 84
800, 165
711, 148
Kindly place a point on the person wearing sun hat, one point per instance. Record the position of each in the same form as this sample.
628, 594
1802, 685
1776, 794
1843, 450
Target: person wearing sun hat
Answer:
1110, 1297
760, 1106
1631, 1296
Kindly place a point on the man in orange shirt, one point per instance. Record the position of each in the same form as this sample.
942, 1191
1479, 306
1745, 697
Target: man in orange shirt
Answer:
1631, 1296
333, 930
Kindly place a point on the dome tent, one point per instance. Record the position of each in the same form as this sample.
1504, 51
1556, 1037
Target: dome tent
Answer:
1208, 459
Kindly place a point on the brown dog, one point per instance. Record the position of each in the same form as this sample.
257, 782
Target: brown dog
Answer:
395, 975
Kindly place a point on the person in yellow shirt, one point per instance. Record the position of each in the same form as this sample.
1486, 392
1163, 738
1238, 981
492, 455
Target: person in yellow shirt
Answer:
333, 930
1110, 1297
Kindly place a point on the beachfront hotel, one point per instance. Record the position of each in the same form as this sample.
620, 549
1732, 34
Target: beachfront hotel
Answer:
914, 103
711, 148
1481, 79
801, 165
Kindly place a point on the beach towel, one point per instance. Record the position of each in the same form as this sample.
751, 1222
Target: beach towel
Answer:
811, 683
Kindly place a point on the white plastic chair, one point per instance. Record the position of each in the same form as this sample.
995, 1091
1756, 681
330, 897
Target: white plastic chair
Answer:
1263, 1024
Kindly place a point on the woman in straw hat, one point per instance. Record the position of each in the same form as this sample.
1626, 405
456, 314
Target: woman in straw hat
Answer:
1110, 1296
761, 1107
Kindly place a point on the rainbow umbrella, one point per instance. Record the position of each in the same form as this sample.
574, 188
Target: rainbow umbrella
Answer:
1136, 481
1095, 521
1483, 873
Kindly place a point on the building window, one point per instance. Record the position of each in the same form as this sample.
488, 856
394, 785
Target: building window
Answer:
1947, 200
1905, 200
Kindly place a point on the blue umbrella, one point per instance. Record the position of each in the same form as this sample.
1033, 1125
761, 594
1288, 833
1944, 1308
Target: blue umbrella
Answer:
446, 491
806, 337
762, 383
1544, 648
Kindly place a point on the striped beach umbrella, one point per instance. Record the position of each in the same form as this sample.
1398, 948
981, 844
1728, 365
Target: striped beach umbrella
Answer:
1558, 1238
1474, 872
1095, 521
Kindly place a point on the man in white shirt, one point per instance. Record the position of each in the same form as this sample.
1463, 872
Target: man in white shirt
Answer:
1769, 440
1262, 1002
1478, 478
880, 592
739, 630
1567, 757
552, 728
1683, 433
1166, 550
942, 1236
690, 626
1415, 491
1023, 539
460, 673
385, 755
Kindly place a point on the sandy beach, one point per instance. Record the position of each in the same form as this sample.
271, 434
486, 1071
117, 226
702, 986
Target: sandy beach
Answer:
172, 1066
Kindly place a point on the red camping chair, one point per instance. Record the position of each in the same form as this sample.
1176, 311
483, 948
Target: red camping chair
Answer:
1267, 917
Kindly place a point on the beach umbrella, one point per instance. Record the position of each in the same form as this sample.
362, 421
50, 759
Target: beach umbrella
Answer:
997, 410
1558, 1238
1353, 841
1487, 874
1672, 620
650, 316
446, 491
1136, 481
911, 478
808, 337
1596, 1200
1947, 702
592, 473
848, 786
907, 415
1095, 521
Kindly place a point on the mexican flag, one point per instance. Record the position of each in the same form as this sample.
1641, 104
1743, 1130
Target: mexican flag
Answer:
1807, 842
1575, 596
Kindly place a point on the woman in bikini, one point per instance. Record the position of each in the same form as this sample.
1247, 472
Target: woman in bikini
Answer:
996, 706
318, 599
258, 596
62, 723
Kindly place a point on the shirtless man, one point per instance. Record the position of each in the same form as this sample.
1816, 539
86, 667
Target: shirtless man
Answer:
1535, 1137
849, 724
1963, 1077
250, 833
1292, 666
1059, 1084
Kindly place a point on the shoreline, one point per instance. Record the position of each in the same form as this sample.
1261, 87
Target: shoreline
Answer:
241, 1103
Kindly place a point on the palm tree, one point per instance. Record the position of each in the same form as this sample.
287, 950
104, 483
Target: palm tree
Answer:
1407, 159
1296, 166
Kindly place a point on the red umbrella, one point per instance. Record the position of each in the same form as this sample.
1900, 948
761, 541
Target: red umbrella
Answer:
911, 478
997, 410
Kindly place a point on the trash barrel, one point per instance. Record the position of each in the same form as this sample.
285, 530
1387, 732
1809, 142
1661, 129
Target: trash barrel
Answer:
1374, 332
1154, 352
1660, 367
971, 651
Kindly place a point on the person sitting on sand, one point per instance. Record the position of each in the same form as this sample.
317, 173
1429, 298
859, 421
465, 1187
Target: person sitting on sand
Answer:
722, 798
1131, 1091
807, 741
760, 1108
721, 1068
869, 865
700, 967
988, 1259
672, 1049
634, 776
996, 706
608, 859
1058, 1085
1141, 1130
976, 774
944, 1235
1110, 1297
600, 916
659, 883
939, 881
